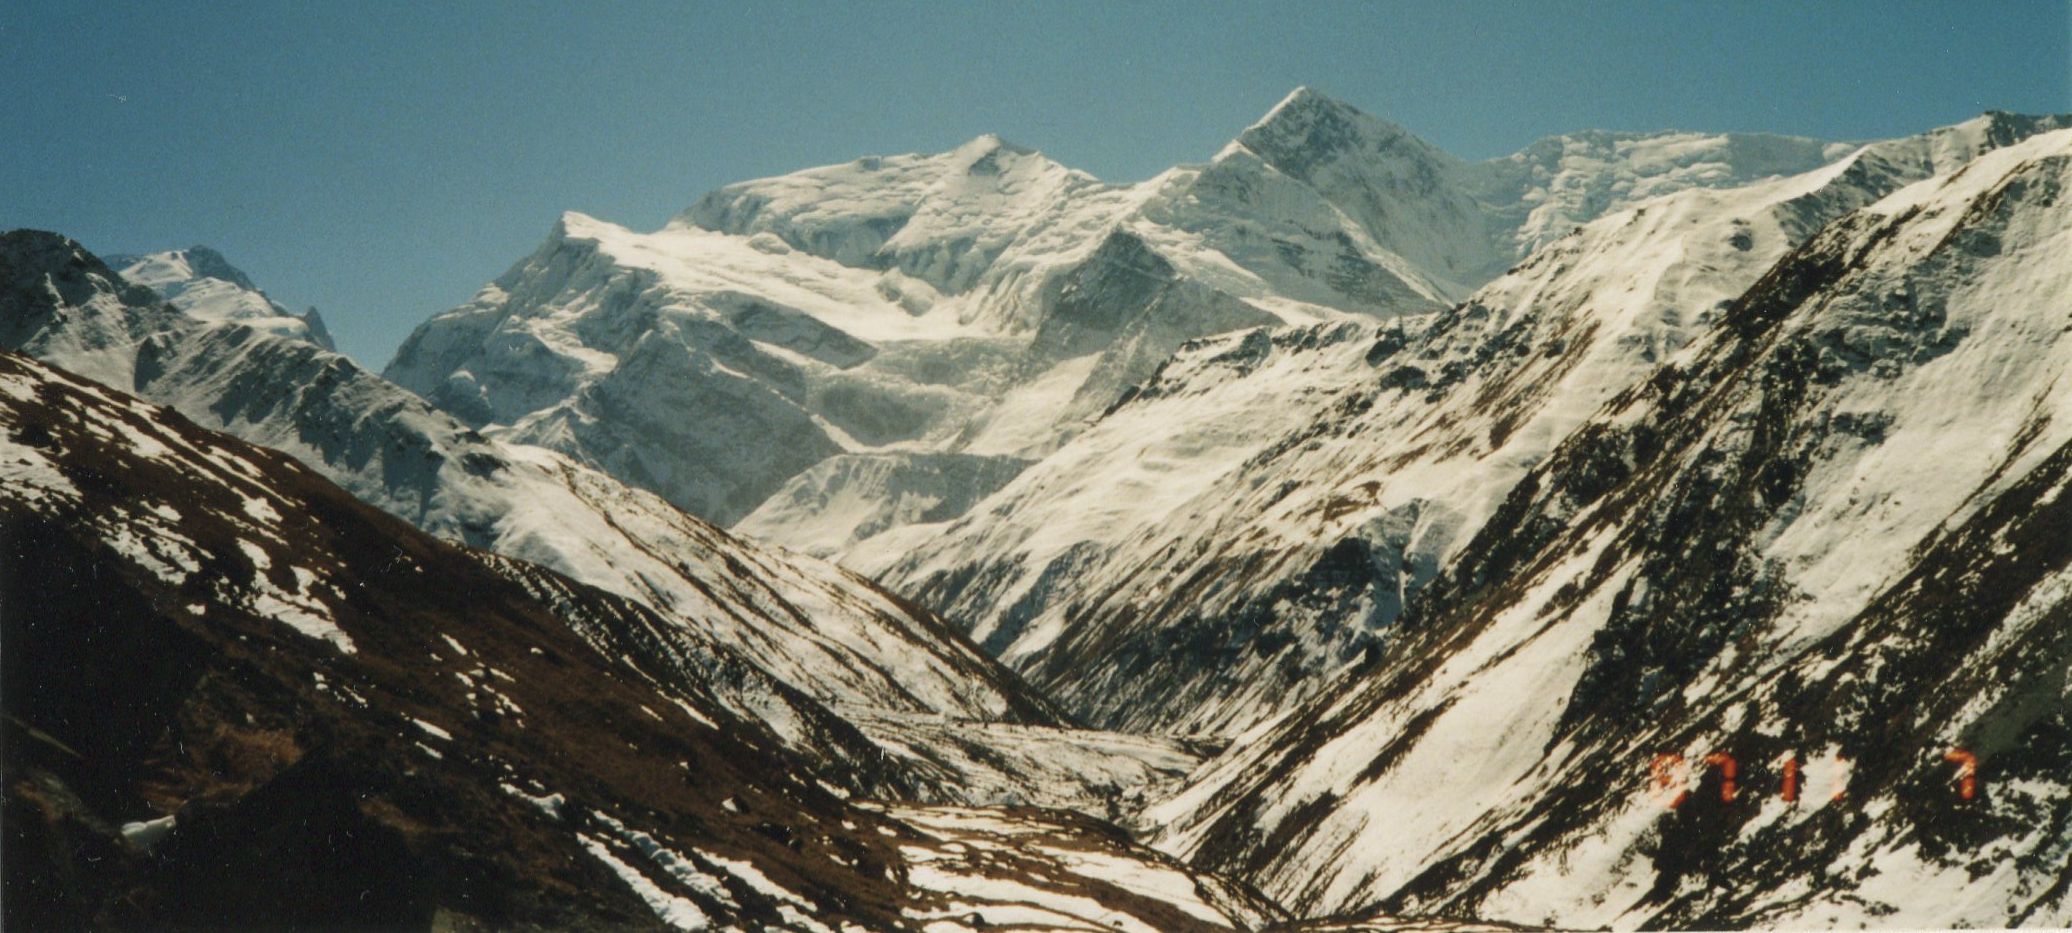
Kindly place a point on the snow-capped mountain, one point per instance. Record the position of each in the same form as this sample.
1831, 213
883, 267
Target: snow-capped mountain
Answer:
1562, 182
820, 655
952, 222
800, 339
200, 282
1257, 514
1778, 637
1385, 219
1641, 530
237, 696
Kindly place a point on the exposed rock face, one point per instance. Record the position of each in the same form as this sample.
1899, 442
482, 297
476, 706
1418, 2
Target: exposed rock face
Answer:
818, 655
238, 696
1256, 515
1831, 533
1233, 506
1643, 530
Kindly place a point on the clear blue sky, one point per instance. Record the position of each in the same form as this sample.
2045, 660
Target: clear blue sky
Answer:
382, 160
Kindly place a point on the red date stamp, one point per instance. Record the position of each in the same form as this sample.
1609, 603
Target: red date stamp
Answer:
1671, 776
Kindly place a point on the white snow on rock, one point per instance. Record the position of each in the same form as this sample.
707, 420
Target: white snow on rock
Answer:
200, 282
149, 534
986, 302
673, 910
791, 634
1295, 487
976, 867
1931, 337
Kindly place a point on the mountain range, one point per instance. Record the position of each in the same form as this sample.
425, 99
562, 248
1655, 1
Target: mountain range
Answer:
1371, 538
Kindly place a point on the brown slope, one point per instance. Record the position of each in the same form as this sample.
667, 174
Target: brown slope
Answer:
452, 752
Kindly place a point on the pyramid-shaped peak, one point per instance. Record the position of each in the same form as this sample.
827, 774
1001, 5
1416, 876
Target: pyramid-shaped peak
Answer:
1306, 106
1304, 101
1308, 126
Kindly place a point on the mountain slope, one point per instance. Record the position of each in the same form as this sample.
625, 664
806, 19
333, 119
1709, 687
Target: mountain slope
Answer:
203, 284
945, 220
814, 652
1832, 531
853, 497
1255, 516
237, 696
1560, 183
1315, 170
824, 328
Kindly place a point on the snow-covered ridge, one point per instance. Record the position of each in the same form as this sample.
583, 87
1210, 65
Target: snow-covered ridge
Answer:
264, 764
943, 219
200, 282
804, 631
1833, 528
1408, 196
914, 304
1562, 182
598, 343
1258, 513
